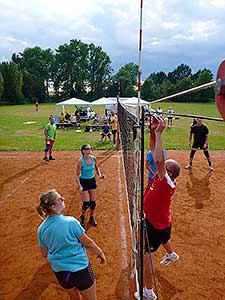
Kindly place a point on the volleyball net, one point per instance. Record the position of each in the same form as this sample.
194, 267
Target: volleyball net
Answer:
130, 145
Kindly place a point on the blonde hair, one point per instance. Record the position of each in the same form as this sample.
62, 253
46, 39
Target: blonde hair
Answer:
47, 199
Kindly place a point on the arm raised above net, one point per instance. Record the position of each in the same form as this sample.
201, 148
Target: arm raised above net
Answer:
157, 147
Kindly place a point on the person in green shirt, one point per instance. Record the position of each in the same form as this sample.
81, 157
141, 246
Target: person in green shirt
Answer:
50, 134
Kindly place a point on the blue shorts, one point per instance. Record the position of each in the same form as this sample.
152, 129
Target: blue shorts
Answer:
81, 280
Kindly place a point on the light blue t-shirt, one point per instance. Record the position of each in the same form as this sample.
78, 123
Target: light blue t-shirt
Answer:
60, 234
149, 158
87, 171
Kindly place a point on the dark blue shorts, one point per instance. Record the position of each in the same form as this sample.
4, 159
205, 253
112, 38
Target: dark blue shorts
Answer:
81, 280
155, 237
88, 184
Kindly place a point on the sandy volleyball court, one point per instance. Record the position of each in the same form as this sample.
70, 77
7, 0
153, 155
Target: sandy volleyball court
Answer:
198, 232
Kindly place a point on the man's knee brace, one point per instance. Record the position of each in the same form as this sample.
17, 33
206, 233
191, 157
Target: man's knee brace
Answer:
206, 152
86, 205
192, 153
47, 147
92, 205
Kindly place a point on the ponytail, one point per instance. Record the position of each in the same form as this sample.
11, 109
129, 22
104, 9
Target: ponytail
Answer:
47, 199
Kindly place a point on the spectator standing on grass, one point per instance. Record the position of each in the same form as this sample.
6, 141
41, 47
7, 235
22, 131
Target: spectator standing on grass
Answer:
63, 242
50, 135
157, 207
200, 133
170, 113
150, 164
78, 120
194, 122
113, 123
36, 105
86, 182
159, 111
74, 121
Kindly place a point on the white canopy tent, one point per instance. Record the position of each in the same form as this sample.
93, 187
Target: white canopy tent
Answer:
113, 100
71, 102
104, 101
133, 101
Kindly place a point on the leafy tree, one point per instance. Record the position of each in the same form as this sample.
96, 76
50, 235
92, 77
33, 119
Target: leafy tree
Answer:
12, 83
99, 70
149, 90
182, 71
182, 85
158, 78
38, 63
204, 76
70, 69
28, 88
1, 85
167, 88
113, 88
127, 80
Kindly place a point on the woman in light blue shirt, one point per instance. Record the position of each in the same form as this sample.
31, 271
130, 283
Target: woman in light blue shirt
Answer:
63, 242
86, 167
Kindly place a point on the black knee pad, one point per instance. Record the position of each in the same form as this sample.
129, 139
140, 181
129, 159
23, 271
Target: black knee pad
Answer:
192, 153
206, 152
92, 205
86, 205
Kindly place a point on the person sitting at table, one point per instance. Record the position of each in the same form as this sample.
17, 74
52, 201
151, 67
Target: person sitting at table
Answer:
105, 132
67, 117
61, 120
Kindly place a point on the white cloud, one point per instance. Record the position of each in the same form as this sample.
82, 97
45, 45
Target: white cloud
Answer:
174, 31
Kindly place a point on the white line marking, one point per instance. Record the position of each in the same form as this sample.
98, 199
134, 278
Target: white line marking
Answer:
123, 232
22, 182
8, 156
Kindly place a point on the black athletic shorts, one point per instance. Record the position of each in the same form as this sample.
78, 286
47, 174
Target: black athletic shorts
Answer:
114, 131
197, 145
88, 184
155, 237
82, 279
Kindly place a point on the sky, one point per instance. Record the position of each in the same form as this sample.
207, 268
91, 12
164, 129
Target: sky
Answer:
174, 31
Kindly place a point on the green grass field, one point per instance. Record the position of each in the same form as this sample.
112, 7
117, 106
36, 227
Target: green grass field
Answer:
17, 136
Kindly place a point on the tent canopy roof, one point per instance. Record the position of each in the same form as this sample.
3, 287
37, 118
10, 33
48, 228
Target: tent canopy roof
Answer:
73, 101
113, 100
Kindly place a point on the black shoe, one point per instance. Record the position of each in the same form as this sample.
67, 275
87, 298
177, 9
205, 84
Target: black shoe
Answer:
45, 158
92, 221
51, 158
82, 219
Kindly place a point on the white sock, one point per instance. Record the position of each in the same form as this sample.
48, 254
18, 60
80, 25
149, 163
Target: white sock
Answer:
149, 290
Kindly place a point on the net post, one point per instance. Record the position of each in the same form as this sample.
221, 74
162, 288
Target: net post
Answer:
142, 127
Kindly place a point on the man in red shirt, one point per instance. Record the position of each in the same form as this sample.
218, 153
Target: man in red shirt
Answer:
157, 202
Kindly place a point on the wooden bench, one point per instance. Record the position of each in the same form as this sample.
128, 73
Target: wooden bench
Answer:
64, 125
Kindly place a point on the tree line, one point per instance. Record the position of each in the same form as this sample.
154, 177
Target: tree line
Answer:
84, 71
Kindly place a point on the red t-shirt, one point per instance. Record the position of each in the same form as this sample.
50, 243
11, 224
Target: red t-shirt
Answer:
157, 201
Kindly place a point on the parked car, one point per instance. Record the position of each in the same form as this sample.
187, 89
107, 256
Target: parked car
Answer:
86, 113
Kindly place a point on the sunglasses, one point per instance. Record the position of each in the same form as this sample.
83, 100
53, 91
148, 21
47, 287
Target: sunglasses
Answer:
89, 148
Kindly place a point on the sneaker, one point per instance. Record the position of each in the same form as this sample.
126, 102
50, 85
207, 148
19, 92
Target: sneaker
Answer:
45, 158
82, 221
188, 167
147, 294
51, 158
168, 258
92, 221
210, 168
